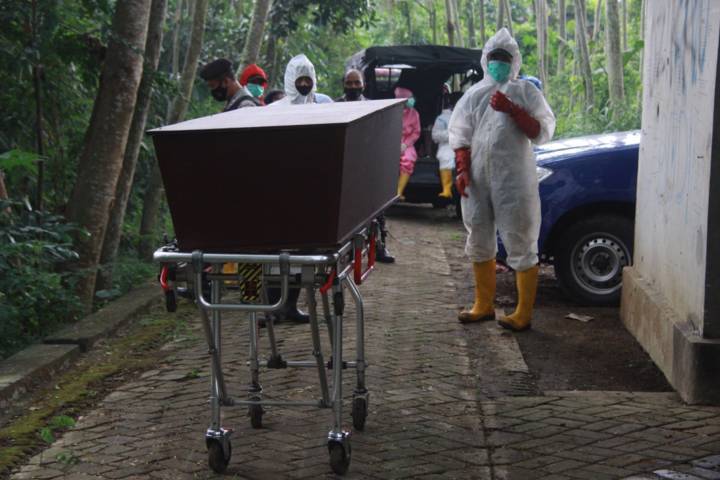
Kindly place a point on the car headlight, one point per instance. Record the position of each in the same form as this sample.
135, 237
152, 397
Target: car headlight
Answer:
543, 173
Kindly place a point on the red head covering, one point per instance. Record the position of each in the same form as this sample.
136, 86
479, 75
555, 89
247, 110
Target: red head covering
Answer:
252, 71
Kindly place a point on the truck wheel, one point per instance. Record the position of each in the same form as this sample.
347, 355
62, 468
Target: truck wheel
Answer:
590, 257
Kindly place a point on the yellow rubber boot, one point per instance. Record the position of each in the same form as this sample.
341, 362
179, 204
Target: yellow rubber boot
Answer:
484, 307
446, 181
527, 290
402, 183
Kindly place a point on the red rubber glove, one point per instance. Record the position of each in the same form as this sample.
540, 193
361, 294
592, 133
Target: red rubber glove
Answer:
462, 169
500, 102
530, 127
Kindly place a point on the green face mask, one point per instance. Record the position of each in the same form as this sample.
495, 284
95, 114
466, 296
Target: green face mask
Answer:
411, 102
499, 71
255, 90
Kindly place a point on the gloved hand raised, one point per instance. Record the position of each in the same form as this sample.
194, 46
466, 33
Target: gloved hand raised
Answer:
500, 102
462, 169
530, 127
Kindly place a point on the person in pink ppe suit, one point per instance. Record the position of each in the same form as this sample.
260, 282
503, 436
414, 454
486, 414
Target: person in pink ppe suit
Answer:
410, 135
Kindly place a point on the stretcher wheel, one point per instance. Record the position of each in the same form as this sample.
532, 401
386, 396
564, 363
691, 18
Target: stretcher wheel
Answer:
256, 413
170, 301
216, 457
339, 458
359, 413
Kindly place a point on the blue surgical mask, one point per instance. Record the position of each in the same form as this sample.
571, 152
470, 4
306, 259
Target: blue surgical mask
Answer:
255, 90
411, 102
499, 71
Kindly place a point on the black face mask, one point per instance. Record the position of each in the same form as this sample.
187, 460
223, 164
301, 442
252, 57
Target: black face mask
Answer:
219, 93
304, 89
353, 93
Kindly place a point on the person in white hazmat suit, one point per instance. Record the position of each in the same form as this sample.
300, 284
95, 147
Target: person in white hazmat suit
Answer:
301, 83
445, 155
492, 131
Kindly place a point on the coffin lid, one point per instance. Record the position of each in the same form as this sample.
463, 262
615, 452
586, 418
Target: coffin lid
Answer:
281, 116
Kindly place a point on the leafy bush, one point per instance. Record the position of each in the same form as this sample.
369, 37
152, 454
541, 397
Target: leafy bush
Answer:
35, 295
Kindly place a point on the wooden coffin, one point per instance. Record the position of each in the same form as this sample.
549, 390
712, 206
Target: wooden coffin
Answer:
280, 177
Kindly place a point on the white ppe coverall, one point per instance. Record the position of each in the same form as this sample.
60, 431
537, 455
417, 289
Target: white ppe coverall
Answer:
503, 192
300, 66
445, 155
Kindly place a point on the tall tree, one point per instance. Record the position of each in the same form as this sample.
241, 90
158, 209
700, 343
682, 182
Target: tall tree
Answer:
562, 36
113, 233
154, 191
500, 15
102, 153
583, 55
541, 23
614, 57
597, 20
483, 37
472, 38
453, 30
256, 32
624, 25
508, 14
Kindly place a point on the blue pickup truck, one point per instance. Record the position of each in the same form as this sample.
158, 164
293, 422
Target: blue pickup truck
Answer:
587, 193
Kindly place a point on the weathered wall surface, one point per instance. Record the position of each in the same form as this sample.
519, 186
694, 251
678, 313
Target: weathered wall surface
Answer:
668, 301
681, 54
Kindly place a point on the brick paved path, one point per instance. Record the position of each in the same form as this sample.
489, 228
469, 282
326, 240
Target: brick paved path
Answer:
447, 402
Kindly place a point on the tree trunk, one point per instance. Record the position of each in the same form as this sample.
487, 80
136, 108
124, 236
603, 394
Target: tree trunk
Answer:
541, 20
508, 14
562, 35
472, 39
3, 190
153, 192
583, 54
483, 38
597, 20
433, 21
255, 34
113, 233
614, 58
454, 34
500, 20
271, 58
177, 19
102, 154
624, 25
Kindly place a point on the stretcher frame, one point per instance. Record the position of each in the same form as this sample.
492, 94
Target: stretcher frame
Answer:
331, 270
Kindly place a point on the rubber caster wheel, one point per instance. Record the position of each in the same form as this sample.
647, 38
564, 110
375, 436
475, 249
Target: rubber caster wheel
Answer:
359, 413
170, 301
339, 459
256, 413
216, 457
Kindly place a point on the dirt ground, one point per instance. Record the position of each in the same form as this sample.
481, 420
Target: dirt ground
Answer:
562, 354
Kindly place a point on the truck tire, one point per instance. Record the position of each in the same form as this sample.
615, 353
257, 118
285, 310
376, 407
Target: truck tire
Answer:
590, 256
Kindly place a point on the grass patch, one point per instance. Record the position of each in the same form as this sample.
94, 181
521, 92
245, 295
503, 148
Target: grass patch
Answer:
79, 388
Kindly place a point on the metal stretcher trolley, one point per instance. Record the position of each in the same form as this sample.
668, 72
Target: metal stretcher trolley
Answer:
334, 170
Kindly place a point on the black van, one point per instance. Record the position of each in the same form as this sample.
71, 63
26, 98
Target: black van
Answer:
424, 69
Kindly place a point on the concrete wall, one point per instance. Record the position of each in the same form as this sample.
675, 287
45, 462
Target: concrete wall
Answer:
664, 294
681, 53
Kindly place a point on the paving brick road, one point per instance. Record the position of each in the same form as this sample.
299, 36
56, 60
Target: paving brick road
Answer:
447, 402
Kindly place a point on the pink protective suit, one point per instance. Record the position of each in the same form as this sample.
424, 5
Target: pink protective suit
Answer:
410, 133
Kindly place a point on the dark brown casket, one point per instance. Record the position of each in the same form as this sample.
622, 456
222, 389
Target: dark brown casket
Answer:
280, 177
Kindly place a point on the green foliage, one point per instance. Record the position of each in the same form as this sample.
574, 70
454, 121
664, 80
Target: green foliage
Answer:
34, 293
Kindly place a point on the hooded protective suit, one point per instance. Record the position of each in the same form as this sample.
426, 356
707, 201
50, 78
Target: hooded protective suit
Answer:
300, 66
445, 155
410, 133
503, 191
